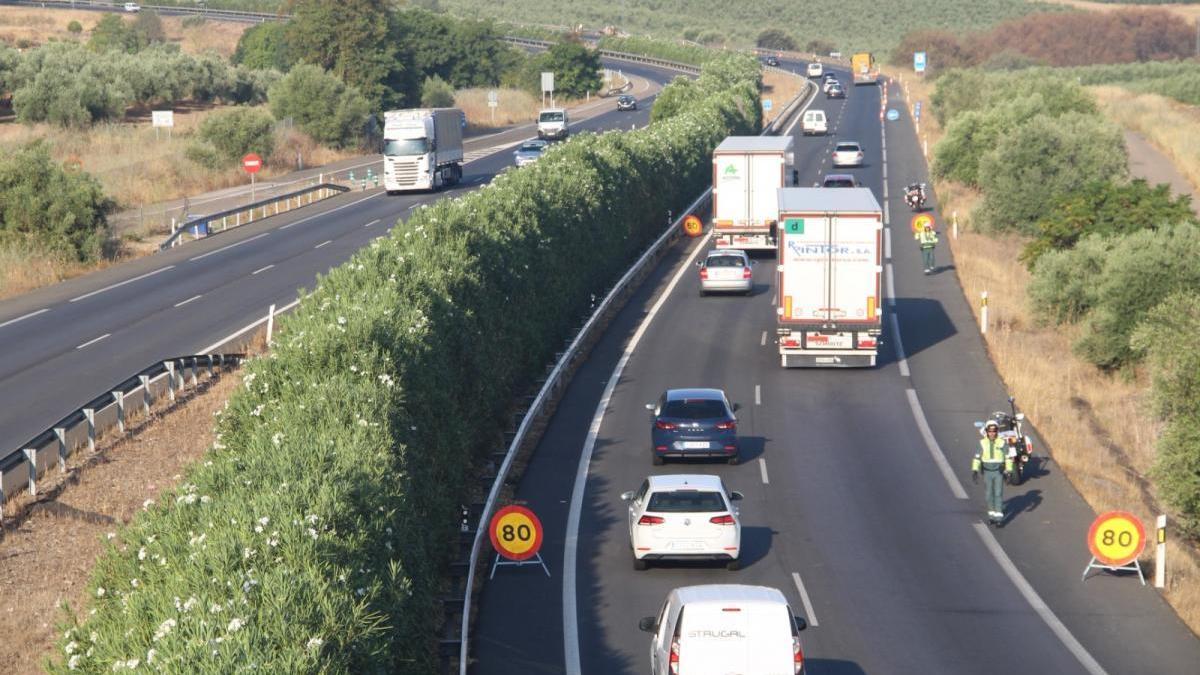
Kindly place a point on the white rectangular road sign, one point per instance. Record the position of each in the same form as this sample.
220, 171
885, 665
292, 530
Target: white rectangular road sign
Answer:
547, 82
493, 96
162, 118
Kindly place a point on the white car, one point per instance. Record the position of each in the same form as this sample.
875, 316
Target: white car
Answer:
726, 270
132, 7
830, 83
815, 69
847, 153
684, 517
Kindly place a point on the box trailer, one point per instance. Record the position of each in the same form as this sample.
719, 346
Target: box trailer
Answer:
747, 172
422, 148
829, 292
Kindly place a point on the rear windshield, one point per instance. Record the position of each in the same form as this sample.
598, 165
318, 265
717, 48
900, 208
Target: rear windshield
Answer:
847, 147
551, 117
840, 182
694, 409
724, 261
536, 147
686, 501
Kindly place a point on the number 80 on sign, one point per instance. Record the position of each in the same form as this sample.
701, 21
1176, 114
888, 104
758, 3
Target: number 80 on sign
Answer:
516, 533
1116, 538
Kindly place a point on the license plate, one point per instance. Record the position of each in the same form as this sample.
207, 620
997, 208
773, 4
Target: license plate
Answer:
695, 445
686, 545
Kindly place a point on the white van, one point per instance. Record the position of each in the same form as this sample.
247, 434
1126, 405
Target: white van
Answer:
553, 124
814, 123
725, 628
815, 69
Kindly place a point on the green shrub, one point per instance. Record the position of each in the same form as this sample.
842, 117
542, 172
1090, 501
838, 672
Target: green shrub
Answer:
1166, 339
226, 136
74, 27
774, 38
1064, 283
1106, 209
437, 93
40, 202
1033, 166
321, 105
196, 21
1177, 472
63, 84
264, 46
321, 521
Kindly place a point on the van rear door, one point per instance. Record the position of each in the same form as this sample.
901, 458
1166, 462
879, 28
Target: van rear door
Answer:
732, 638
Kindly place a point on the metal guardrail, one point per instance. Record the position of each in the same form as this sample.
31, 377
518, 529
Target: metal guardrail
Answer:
100, 5
562, 366
618, 56
202, 226
21, 468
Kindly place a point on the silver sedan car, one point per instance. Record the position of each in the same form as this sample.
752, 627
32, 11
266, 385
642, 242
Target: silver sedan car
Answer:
847, 153
529, 152
726, 270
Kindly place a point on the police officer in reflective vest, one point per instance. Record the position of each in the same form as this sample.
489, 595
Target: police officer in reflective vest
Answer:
993, 459
927, 239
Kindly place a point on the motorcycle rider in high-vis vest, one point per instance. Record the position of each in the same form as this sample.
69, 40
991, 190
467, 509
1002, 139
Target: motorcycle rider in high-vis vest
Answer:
992, 458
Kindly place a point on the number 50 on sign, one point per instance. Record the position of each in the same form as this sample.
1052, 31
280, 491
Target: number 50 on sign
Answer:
516, 533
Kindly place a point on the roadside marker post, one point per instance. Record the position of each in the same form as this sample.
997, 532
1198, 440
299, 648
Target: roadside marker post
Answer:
270, 323
983, 312
1160, 553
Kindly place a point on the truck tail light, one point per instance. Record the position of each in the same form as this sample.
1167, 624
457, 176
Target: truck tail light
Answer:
674, 656
797, 655
651, 520
791, 343
721, 520
747, 273
867, 343
661, 424
727, 425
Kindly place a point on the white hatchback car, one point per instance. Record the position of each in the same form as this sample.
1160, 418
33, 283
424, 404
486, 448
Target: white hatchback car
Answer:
847, 153
684, 517
728, 270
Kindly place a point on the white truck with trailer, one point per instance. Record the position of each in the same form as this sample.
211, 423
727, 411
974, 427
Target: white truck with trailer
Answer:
829, 279
747, 173
422, 148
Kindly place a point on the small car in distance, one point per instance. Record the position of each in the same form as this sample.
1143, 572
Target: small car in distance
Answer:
838, 180
684, 517
529, 152
772, 61
835, 91
815, 69
726, 270
626, 102
132, 7
829, 82
847, 153
693, 423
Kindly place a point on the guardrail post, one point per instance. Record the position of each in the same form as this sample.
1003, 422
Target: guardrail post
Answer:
270, 323
61, 434
119, 397
223, 223
145, 394
238, 222
170, 366
31, 457
211, 374
90, 414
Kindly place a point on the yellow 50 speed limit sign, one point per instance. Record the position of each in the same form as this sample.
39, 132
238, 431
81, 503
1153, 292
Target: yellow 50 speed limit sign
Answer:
516, 533
1116, 538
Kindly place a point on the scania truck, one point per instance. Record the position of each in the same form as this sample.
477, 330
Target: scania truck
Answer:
422, 148
829, 291
747, 173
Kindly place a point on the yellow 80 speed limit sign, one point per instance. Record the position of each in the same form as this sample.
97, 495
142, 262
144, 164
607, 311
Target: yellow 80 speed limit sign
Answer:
1116, 538
516, 533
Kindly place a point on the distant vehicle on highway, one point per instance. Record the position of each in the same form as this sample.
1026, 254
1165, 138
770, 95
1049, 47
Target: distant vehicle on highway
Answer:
626, 102
132, 7
835, 91
693, 423
830, 81
552, 123
847, 153
838, 180
726, 270
815, 69
814, 123
772, 61
684, 517
529, 152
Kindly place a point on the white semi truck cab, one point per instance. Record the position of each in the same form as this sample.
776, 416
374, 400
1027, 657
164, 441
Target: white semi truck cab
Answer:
422, 148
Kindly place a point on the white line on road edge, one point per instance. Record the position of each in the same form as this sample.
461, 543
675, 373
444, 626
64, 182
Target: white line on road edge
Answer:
92, 342
939, 457
324, 243
762, 468
891, 282
887, 243
226, 248
1014, 575
228, 338
371, 223
333, 210
808, 608
261, 269
194, 297
901, 358
761, 343
118, 284
570, 547
758, 394
43, 311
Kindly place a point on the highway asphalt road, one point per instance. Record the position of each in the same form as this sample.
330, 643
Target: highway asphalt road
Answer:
66, 344
846, 509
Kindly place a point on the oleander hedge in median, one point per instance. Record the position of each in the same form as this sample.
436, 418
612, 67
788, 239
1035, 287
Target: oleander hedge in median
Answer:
314, 535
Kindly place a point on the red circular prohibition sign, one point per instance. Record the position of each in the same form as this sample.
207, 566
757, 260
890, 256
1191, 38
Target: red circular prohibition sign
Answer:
526, 533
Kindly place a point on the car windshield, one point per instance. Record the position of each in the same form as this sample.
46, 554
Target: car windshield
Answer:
839, 182
551, 117
625, 99
686, 501
402, 147
694, 409
724, 261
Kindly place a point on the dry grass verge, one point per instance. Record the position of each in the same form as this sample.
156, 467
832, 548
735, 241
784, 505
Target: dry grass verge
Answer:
35, 26
1172, 127
515, 107
1097, 426
779, 88
1187, 11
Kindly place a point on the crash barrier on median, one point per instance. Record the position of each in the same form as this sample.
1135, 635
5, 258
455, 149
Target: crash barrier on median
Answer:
135, 397
203, 226
206, 12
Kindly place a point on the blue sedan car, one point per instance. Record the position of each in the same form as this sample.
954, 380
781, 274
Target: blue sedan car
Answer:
693, 423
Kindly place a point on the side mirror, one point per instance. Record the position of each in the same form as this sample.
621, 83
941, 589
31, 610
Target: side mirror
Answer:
626, 496
647, 624
737, 407
736, 496
699, 263
801, 623
650, 407
1021, 417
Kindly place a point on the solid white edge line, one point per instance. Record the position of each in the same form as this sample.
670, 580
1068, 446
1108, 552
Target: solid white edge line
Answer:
333, 210
119, 284
324, 243
261, 269
371, 223
92, 342
1043, 610
41, 311
935, 450
758, 394
762, 468
184, 302
571, 543
811, 617
226, 248
901, 358
228, 338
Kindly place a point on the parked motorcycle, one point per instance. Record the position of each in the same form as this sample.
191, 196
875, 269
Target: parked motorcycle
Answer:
914, 196
1012, 431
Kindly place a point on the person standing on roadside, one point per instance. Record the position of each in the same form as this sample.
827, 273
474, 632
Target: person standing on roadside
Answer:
927, 239
992, 458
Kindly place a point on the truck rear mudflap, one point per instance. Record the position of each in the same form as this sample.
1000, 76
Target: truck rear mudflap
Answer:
800, 358
745, 241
